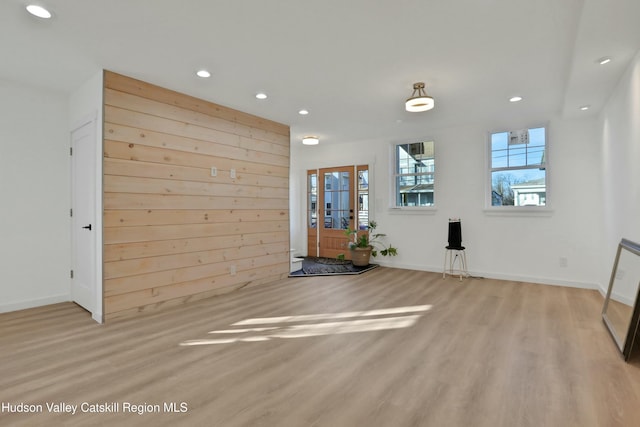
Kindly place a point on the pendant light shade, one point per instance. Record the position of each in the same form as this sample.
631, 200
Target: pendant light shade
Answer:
419, 100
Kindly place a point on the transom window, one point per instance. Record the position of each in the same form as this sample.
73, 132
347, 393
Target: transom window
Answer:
518, 168
414, 174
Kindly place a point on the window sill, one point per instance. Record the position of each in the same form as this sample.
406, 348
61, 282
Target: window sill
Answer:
518, 211
409, 210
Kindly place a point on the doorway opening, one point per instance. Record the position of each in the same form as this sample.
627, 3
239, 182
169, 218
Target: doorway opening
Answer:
337, 200
84, 286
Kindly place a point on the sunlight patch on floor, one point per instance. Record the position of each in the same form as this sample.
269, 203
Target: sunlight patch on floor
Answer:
317, 328
328, 316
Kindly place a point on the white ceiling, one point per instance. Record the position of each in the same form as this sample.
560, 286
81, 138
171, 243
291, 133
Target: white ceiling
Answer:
351, 63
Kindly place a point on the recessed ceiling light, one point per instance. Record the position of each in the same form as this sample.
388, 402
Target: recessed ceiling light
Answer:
604, 60
585, 107
203, 73
515, 99
39, 11
261, 95
303, 112
310, 140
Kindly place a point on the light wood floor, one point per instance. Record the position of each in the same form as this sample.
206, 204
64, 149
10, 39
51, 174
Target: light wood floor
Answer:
435, 353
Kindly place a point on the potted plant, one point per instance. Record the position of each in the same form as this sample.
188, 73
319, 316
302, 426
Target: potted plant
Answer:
368, 244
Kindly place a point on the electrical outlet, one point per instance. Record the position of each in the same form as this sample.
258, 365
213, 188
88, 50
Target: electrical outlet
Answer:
232, 174
214, 171
232, 270
563, 262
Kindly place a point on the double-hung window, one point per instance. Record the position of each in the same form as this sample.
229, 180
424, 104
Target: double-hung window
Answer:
518, 167
414, 172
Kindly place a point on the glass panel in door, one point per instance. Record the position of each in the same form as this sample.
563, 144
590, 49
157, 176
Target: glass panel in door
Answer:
312, 213
336, 211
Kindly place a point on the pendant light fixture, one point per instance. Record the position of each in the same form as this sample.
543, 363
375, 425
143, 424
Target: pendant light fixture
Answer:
419, 100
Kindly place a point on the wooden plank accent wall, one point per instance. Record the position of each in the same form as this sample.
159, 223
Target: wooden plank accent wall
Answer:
172, 232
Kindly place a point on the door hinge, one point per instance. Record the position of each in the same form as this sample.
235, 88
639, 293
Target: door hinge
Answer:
72, 274
71, 151
70, 212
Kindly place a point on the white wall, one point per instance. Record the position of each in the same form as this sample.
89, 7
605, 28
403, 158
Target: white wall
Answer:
520, 247
86, 104
34, 184
619, 129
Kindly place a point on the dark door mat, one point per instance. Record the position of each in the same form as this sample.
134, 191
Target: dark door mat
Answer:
314, 266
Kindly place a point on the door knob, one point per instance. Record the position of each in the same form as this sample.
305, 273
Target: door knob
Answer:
88, 227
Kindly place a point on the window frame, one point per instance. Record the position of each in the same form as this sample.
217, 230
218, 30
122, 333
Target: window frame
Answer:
393, 195
517, 210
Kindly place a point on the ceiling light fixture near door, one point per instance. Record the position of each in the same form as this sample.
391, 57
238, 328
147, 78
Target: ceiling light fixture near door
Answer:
604, 60
38, 11
261, 95
203, 73
419, 100
310, 140
515, 99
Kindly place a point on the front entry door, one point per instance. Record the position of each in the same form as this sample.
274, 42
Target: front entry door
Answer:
336, 211
331, 201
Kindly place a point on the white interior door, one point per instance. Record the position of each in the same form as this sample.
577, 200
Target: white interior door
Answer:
83, 230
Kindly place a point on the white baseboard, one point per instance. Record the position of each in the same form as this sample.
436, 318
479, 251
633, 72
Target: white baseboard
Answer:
616, 296
500, 276
21, 305
541, 280
620, 298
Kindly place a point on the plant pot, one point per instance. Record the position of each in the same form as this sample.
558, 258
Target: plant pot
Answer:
360, 256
